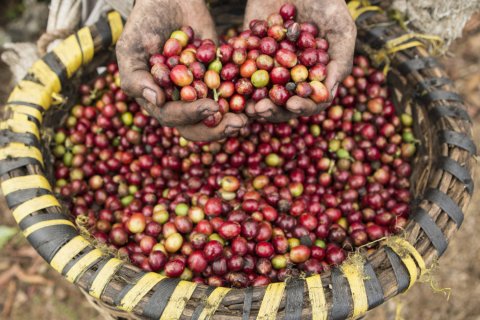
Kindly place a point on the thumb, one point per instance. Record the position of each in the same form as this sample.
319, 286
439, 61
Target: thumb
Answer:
144, 85
136, 79
230, 125
335, 74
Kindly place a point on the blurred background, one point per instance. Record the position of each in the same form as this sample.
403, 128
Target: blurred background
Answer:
29, 288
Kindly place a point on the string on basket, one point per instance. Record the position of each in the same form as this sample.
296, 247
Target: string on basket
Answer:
385, 55
359, 7
392, 46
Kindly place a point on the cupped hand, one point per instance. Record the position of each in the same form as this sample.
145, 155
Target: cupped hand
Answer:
193, 128
336, 25
148, 27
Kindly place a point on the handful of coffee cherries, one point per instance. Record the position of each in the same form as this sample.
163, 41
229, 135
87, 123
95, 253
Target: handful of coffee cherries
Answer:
276, 58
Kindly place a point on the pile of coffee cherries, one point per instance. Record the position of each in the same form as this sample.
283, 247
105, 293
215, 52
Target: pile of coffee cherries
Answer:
278, 200
275, 59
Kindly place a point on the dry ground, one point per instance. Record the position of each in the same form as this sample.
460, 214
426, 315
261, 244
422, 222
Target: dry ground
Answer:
30, 289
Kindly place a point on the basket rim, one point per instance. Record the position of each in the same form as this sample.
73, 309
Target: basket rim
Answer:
337, 294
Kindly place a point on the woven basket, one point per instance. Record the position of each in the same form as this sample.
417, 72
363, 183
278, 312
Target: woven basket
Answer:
442, 184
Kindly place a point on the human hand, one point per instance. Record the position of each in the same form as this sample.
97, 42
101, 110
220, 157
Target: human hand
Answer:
148, 27
336, 25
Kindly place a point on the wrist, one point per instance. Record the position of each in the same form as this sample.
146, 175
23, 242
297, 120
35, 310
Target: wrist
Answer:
271, 3
186, 6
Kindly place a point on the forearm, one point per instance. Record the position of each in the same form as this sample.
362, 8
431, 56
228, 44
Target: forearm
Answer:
261, 9
182, 5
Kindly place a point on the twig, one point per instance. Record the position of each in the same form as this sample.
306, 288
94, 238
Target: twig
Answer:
19, 273
8, 305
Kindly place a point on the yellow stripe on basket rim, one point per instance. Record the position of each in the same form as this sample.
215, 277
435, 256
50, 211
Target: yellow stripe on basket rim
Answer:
31, 92
410, 257
86, 44
20, 124
271, 301
33, 181
43, 73
19, 117
44, 224
405, 245
70, 54
116, 25
317, 298
354, 273
26, 111
82, 264
68, 252
411, 268
18, 150
104, 276
213, 301
139, 290
34, 205
178, 300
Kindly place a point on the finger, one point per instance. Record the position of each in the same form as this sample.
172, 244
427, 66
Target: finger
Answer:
335, 75
270, 112
341, 36
144, 35
205, 26
232, 123
180, 113
250, 109
255, 11
197, 15
229, 126
301, 106
136, 79
265, 108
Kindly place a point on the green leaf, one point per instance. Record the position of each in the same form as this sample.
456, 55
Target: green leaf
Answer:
6, 233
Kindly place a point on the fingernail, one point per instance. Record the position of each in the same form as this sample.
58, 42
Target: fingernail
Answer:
266, 114
322, 107
296, 111
334, 90
150, 95
206, 111
230, 131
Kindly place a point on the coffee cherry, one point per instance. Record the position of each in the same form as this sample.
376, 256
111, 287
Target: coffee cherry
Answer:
174, 268
172, 47
288, 11
299, 254
181, 76
161, 74
260, 79
279, 95
206, 53
299, 73
286, 58
212, 250
317, 73
188, 93
212, 79
319, 92
237, 103
280, 75
181, 36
